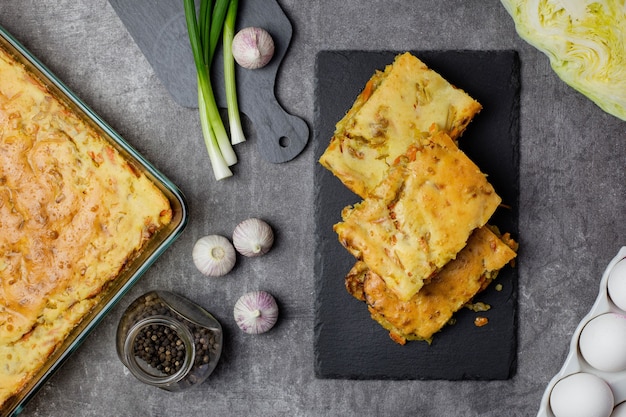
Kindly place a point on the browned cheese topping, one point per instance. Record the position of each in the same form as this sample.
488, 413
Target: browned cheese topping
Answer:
73, 212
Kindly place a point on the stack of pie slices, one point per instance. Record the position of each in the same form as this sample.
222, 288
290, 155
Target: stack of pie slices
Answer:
420, 235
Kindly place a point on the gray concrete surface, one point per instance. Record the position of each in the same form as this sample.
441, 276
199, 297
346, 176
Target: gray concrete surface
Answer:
572, 221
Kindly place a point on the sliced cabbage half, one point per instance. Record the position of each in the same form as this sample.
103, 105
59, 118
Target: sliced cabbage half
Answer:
585, 41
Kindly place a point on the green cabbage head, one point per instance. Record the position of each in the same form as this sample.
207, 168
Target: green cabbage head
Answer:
585, 41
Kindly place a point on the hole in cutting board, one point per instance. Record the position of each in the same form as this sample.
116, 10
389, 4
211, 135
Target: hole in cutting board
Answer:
284, 141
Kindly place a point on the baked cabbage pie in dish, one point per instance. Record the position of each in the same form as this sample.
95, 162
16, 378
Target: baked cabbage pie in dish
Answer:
76, 214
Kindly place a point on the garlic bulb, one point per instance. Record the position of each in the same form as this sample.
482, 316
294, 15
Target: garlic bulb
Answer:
253, 47
256, 312
253, 237
214, 255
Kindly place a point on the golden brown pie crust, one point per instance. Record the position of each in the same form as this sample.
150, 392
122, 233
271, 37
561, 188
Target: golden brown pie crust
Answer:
73, 213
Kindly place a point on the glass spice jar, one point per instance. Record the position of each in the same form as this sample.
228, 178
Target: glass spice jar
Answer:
168, 341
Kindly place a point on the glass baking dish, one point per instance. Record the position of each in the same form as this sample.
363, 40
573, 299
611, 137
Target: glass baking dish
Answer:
156, 246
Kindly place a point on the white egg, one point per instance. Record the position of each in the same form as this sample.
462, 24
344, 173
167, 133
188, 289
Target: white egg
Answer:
619, 411
602, 342
581, 395
616, 284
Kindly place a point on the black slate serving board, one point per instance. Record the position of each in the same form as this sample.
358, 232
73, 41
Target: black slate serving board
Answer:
348, 343
160, 31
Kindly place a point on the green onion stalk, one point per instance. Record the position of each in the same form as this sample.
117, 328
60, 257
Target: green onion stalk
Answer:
204, 34
234, 121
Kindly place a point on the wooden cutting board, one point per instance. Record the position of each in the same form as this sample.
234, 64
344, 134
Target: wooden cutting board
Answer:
160, 31
348, 343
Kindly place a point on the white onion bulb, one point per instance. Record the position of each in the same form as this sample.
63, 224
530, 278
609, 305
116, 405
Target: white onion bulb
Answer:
253, 47
253, 237
214, 255
256, 312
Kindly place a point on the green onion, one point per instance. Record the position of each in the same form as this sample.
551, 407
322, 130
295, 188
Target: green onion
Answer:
234, 121
219, 165
217, 23
216, 139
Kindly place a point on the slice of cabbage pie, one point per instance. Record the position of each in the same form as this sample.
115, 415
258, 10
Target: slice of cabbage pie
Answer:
398, 107
456, 285
420, 216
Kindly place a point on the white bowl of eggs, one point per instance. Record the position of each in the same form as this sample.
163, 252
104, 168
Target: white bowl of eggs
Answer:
592, 381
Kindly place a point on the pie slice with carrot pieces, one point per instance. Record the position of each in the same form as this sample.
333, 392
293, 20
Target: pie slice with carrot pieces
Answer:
398, 107
420, 215
456, 285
